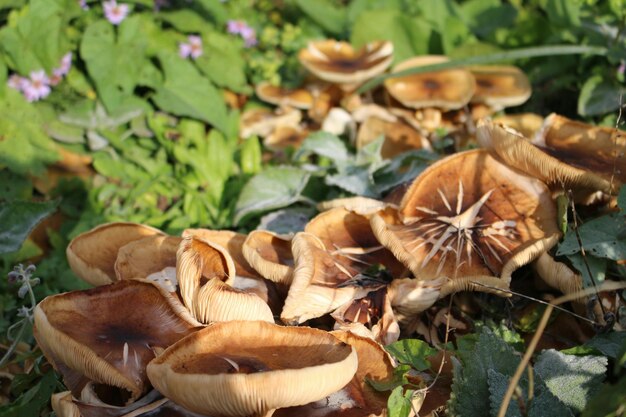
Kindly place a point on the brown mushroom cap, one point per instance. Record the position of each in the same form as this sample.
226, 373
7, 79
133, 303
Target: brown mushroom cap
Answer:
518, 152
339, 62
469, 215
399, 136
596, 148
109, 333
284, 137
359, 205
247, 368
358, 398
270, 254
152, 258
500, 86
92, 254
447, 89
299, 98
205, 272
262, 122
528, 124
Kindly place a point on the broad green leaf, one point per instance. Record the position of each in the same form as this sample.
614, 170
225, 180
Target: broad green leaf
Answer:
273, 188
402, 168
412, 352
215, 10
24, 146
329, 16
223, 63
324, 144
34, 400
14, 187
285, 221
609, 401
437, 12
250, 156
356, 7
185, 20
399, 378
562, 204
399, 402
599, 96
621, 199
410, 36
565, 13
609, 344
485, 16
355, 179
186, 93
597, 268
603, 237
572, 379
19, 218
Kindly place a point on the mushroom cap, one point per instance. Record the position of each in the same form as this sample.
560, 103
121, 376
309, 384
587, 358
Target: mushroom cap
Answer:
596, 148
358, 398
500, 86
206, 276
399, 136
262, 122
518, 152
152, 258
360, 205
299, 98
528, 124
469, 215
270, 254
284, 137
132, 321
446, 89
338, 62
558, 275
244, 368
92, 254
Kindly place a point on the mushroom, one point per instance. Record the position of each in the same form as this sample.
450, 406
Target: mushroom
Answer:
108, 334
518, 152
284, 137
336, 260
446, 89
92, 254
299, 98
152, 258
500, 86
360, 205
205, 271
270, 255
262, 122
338, 62
339, 122
358, 398
469, 215
399, 136
248, 368
528, 124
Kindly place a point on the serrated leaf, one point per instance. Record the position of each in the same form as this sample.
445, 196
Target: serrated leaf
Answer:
19, 218
324, 144
603, 237
186, 93
572, 379
498, 385
354, 179
412, 352
274, 188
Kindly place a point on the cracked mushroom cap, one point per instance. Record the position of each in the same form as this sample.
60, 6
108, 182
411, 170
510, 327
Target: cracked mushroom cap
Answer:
500, 86
338, 62
108, 334
469, 215
518, 152
299, 98
206, 273
152, 258
358, 398
92, 254
446, 89
270, 255
248, 368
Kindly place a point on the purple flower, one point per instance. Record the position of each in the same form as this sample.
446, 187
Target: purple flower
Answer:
16, 82
115, 13
239, 27
37, 87
83, 4
62, 70
622, 67
192, 49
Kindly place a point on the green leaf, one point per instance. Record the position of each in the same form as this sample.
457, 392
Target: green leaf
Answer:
324, 144
603, 237
572, 379
562, 204
223, 63
215, 9
185, 20
19, 218
14, 187
285, 221
485, 16
330, 16
402, 168
621, 198
33, 401
597, 267
399, 378
186, 93
609, 344
564, 13
539, 51
251, 156
274, 188
399, 402
412, 352
609, 401
599, 96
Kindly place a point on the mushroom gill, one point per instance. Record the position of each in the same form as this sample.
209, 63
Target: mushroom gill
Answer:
108, 334
469, 215
248, 368
270, 255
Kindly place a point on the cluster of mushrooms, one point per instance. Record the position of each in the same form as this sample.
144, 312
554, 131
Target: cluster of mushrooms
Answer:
187, 325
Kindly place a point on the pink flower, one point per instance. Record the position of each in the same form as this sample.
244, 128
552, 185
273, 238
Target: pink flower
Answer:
37, 87
235, 26
115, 13
622, 67
62, 70
83, 4
239, 27
16, 82
192, 49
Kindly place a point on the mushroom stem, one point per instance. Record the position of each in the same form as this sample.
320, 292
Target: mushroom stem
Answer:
483, 283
